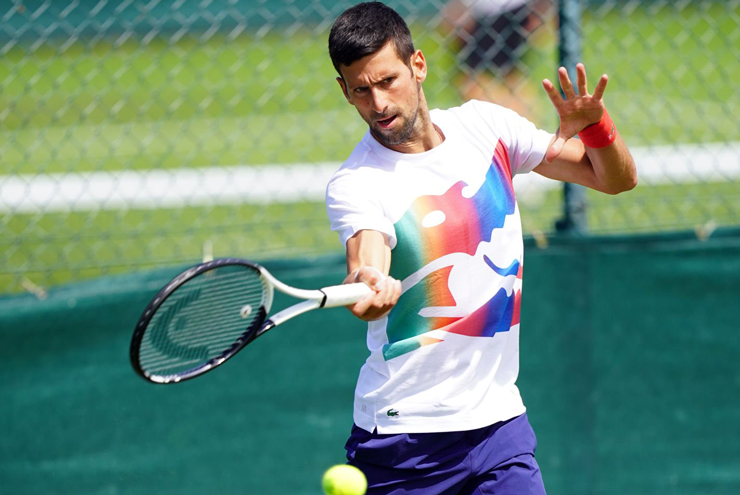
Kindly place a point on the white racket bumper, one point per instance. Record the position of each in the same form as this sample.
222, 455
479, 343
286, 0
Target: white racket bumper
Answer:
342, 295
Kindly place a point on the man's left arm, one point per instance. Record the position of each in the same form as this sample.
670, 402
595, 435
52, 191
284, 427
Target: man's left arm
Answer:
600, 160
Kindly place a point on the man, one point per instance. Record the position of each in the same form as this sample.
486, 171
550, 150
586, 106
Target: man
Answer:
426, 209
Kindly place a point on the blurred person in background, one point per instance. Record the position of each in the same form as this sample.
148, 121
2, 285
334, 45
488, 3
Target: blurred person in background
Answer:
492, 37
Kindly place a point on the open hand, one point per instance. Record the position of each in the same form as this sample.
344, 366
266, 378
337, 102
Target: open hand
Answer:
576, 111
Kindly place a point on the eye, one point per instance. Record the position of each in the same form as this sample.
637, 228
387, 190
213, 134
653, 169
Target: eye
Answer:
389, 80
360, 90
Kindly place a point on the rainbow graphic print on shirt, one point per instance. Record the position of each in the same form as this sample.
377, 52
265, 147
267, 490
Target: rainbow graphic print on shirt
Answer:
452, 260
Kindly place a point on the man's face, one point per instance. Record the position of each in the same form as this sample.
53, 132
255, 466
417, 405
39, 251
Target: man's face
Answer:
386, 93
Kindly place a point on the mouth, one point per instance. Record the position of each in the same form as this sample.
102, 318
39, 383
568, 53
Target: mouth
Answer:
386, 123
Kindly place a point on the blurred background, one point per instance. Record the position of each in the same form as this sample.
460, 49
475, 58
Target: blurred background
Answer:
140, 137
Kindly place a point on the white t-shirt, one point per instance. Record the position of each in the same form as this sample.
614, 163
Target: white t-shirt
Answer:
446, 358
482, 8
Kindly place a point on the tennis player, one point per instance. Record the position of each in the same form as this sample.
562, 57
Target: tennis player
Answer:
426, 210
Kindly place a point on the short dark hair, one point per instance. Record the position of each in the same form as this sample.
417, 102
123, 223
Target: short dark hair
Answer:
366, 28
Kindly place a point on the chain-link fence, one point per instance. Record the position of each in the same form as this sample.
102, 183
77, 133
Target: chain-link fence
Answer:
142, 133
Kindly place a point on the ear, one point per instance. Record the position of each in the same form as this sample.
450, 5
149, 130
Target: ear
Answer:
343, 85
419, 66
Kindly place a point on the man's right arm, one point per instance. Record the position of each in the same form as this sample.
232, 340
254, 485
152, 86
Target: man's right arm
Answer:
369, 261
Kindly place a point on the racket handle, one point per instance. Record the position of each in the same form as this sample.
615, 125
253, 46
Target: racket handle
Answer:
342, 295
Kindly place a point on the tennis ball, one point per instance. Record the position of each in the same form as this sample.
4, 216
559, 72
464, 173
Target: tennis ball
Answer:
344, 479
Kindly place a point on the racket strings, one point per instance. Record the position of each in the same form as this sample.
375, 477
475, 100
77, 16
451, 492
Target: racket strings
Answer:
203, 319
198, 318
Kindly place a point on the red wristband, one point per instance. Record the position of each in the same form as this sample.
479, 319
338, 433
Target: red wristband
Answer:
601, 134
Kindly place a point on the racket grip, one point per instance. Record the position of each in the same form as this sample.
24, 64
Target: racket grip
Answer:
342, 295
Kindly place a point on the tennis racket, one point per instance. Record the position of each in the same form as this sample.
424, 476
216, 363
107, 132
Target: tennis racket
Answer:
210, 312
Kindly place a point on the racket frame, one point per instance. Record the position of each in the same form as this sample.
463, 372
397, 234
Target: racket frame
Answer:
332, 296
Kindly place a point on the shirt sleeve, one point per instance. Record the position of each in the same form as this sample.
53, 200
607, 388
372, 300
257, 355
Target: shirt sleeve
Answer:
351, 208
526, 143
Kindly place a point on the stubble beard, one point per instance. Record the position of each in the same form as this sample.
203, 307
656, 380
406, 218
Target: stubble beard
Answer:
394, 137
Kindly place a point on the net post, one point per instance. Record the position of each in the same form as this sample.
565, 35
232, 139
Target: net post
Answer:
574, 220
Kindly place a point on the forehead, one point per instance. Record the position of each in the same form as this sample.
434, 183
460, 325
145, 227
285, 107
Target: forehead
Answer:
373, 67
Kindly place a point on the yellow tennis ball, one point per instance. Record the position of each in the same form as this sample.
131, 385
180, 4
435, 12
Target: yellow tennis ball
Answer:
344, 479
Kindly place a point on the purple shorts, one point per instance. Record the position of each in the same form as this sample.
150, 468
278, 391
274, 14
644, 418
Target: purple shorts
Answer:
496, 459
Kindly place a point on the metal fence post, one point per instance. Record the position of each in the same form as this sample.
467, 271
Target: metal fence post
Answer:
569, 54
582, 459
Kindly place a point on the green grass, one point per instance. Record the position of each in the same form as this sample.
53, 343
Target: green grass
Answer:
272, 98
55, 248
671, 70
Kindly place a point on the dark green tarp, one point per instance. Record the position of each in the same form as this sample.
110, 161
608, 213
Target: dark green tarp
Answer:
630, 368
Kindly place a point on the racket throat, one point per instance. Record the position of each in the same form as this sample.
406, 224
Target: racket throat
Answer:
266, 327
292, 311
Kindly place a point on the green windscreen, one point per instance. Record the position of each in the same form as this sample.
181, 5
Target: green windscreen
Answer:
629, 352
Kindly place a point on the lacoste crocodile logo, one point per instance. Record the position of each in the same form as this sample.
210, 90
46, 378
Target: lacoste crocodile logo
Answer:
392, 413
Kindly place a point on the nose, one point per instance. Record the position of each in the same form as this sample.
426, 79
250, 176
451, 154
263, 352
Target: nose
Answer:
379, 100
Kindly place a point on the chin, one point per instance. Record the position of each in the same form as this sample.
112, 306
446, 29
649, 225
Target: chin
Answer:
389, 140
392, 138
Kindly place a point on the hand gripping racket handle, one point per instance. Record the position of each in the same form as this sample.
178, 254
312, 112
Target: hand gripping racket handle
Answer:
335, 295
342, 295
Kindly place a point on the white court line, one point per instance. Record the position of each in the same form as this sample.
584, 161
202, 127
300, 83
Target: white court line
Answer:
656, 165
262, 184
151, 189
